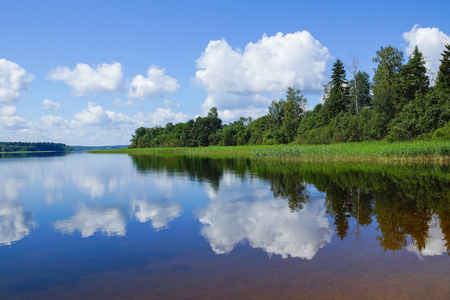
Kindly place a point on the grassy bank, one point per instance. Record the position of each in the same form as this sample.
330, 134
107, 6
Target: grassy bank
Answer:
404, 152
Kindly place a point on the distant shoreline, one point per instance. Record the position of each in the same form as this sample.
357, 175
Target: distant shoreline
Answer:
25, 152
90, 148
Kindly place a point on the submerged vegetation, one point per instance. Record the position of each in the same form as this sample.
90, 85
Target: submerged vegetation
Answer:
399, 105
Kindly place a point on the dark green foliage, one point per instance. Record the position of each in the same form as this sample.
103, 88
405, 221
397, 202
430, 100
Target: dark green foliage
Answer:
233, 133
204, 127
286, 114
338, 99
361, 91
442, 133
413, 79
402, 107
424, 114
276, 113
21, 146
370, 125
256, 130
443, 77
385, 97
294, 108
200, 132
275, 137
313, 119
279, 126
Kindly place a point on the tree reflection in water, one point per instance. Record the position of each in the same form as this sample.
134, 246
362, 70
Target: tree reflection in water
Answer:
402, 199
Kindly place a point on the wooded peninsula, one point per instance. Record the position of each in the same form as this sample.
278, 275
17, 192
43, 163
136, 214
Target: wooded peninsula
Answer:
400, 104
33, 147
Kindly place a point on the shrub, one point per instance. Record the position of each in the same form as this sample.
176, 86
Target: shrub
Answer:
442, 133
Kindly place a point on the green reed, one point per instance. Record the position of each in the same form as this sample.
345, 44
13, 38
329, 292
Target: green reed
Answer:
407, 152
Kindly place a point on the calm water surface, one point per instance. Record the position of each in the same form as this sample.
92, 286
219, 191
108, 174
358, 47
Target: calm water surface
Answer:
145, 227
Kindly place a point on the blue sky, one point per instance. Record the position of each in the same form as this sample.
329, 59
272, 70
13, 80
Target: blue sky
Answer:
91, 72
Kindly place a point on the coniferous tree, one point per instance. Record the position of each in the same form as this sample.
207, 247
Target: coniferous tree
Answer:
339, 94
443, 77
413, 79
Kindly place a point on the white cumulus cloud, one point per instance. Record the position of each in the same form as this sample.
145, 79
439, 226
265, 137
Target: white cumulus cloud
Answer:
244, 79
50, 105
162, 116
10, 120
156, 84
13, 80
8, 110
96, 115
431, 42
13, 122
116, 127
50, 121
93, 115
85, 80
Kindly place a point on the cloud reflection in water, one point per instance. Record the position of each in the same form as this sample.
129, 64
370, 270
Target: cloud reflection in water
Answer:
435, 243
89, 220
160, 213
15, 224
265, 223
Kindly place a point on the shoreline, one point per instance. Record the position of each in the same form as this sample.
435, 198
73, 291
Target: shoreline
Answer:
415, 152
28, 152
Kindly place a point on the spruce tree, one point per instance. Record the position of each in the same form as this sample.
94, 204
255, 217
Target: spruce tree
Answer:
339, 94
413, 79
443, 78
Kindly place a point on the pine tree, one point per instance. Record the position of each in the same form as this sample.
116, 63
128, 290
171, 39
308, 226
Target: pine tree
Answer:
339, 94
443, 78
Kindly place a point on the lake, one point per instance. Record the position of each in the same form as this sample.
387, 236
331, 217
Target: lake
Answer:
116, 226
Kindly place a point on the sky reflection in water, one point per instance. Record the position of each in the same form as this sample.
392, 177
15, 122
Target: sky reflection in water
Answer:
240, 213
173, 214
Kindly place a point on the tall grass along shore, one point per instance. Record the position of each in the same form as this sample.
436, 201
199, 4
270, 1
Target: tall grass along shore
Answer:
377, 152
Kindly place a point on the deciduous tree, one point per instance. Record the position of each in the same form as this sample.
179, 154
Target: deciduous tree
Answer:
360, 88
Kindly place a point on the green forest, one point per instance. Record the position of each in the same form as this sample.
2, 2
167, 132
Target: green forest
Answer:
22, 147
401, 103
